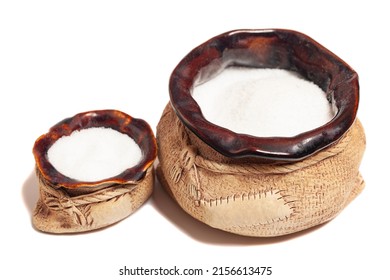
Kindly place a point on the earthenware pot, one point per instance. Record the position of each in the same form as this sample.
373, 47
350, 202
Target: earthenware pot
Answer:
261, 186
69, 205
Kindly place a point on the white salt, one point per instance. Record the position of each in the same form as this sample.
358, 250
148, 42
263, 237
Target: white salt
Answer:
94, 154
263, 102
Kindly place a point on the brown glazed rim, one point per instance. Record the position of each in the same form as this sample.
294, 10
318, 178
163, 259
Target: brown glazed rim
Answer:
276, 48
137, 129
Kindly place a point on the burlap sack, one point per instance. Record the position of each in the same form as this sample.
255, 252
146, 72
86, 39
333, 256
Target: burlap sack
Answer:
254, 199
61, 210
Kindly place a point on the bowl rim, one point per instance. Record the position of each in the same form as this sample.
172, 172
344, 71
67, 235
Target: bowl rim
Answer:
137, 129
280, 48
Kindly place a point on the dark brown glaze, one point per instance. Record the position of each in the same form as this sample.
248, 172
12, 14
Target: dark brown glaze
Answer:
137, 129
277, 48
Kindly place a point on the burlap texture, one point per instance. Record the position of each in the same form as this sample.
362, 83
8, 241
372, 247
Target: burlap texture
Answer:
65, 211
257, 199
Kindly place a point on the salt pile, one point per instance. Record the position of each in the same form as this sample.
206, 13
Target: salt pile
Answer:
263, 102
94, 154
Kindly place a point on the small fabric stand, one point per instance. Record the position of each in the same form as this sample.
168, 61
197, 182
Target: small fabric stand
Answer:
61, 210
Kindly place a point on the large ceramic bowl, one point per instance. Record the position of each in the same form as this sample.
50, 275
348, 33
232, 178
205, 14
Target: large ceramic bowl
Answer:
276, 48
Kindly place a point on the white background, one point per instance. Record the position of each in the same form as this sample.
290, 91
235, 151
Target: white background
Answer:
59, 58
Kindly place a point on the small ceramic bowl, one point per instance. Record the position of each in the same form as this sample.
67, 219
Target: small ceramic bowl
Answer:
261, 186
70, 205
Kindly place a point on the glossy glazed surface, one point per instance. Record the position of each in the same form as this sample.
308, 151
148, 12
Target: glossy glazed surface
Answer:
278, 48
137, 129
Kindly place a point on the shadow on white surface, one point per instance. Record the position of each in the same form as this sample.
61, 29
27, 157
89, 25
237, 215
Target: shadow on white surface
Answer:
201, 232
30, 192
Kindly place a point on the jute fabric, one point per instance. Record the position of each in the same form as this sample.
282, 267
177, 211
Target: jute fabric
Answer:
61, 210
251, 198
